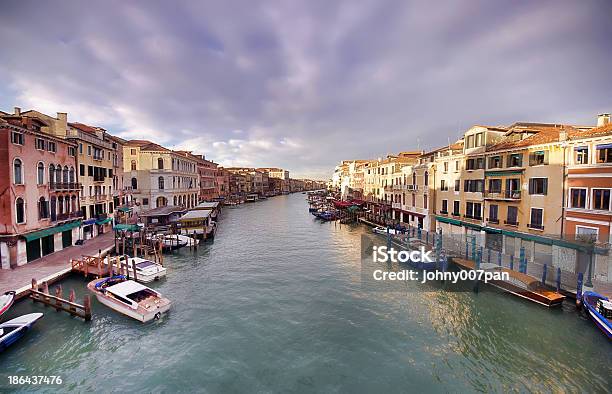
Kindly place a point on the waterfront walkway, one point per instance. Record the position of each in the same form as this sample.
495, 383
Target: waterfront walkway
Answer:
53, 266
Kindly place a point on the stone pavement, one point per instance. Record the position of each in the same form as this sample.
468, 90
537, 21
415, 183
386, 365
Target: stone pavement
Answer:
53, 266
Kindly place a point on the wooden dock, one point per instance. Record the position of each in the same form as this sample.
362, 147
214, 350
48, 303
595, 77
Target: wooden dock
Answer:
41, 294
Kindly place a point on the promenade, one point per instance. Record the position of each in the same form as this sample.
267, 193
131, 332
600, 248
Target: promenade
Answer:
53, 266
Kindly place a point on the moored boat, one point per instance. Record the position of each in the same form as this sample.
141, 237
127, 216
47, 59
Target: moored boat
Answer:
129, 298
16, 328
6, 300
146, 270
518, 283
599, 309
383, 230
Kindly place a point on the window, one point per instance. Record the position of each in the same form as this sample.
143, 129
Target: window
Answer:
578, 198
160, 182
133, 165
40, 144
515, 160
538, 186
456, 208
473, 210
81, 169
513, 188
537, 218
160, 163
43, 209
98, 154
601, 199
88, 150
493, 210
586, 234
470, 141
51, 173
71, 175
18, 172
538, 158
17, 138
90, 171
512, 217
20, 210
51, 147
470, 164
444, 206
581, 155
414, 178
425, 201
495, 162
71, 151
40, 173
473, 185
80, 148
443, 186
479, 139
495, 185
457, 185
456, 165
604, 153
475, 164
426, 180
445, 166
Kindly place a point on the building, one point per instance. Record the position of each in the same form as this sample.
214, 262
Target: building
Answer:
159, 176
222, 183
40, 194
207, 171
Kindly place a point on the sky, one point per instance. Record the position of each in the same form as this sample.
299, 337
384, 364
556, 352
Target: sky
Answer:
304, 84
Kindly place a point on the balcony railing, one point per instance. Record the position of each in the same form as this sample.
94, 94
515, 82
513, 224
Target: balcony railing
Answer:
412, 187
69, 215
399, 187
64, 186
503, 194
396, 205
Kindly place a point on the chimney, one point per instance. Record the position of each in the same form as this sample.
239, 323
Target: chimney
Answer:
17, 111
603, 119
62, 128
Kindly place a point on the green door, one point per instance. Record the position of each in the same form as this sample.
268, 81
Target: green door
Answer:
33, 249
66, 238
47, 245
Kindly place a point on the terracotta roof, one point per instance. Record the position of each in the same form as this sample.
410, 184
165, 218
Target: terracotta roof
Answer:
147, 145
542, 135
83, 127
595, 132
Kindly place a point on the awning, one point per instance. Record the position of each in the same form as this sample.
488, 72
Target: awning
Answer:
503, 173
448, 220
50, 231
472, 225
104, 221
124, 209
492, 230
581, 148
89, 221
604, 146
127, 227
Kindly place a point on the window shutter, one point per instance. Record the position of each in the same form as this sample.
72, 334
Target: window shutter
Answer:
545, 186
531, 185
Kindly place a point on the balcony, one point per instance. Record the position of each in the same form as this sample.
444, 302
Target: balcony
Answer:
58, 186
503, 195
400, 187
412, 187
396, 205
536, 226
68, 216
511, 223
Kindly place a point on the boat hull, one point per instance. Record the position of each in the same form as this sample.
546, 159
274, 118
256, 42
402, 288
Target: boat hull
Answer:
19, 327
600, 321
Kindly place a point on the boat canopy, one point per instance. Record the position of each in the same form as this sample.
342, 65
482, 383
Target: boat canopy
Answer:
207, 205
198, 214
126, 288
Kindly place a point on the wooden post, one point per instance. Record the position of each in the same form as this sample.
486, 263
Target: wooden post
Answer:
58, 294
71, 298
46, 289
87, 307
134, 270
34, 284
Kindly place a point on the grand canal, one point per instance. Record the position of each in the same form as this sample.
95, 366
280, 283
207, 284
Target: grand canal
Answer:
275, 303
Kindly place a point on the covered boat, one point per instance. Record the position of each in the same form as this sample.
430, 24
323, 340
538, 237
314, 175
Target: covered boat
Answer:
6, 300
599, 309
130, 298
146, 270
14, 329
383, 230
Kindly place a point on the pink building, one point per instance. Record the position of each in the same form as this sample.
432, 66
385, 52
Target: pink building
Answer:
39, 202
222, 183
208, 183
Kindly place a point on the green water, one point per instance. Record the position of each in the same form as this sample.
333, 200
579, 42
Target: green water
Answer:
275, 304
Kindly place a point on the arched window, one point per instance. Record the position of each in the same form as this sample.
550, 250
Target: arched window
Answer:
71, 174
40, 173
60, 204
18, 171
43, 208
67, 203
65, 178
53, 206
134, 183
160, 182
161, 201
58, 173
20, 210
51, 173
426, 178
133, 165
174, 200
160, 163
74, 203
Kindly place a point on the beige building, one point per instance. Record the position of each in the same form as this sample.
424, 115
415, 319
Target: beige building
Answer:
159, 176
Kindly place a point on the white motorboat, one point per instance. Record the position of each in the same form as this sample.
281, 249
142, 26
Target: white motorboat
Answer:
14, 329
146, 270
6, 300
130, 298
174, 241
383, 230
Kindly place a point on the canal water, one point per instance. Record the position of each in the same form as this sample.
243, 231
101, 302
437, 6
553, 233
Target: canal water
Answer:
276, 304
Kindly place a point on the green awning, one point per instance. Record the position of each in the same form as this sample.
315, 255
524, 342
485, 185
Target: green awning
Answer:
50, 231
448, 220
472, 225
127, 227
492, 230
104, 221
124, 209
503, 173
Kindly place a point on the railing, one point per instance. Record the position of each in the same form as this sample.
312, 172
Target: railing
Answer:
396, 205
400, 187
68, 215
412, 187
505, 194
64, 186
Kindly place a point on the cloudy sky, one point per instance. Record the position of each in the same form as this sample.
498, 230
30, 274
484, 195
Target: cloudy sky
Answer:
304, 84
